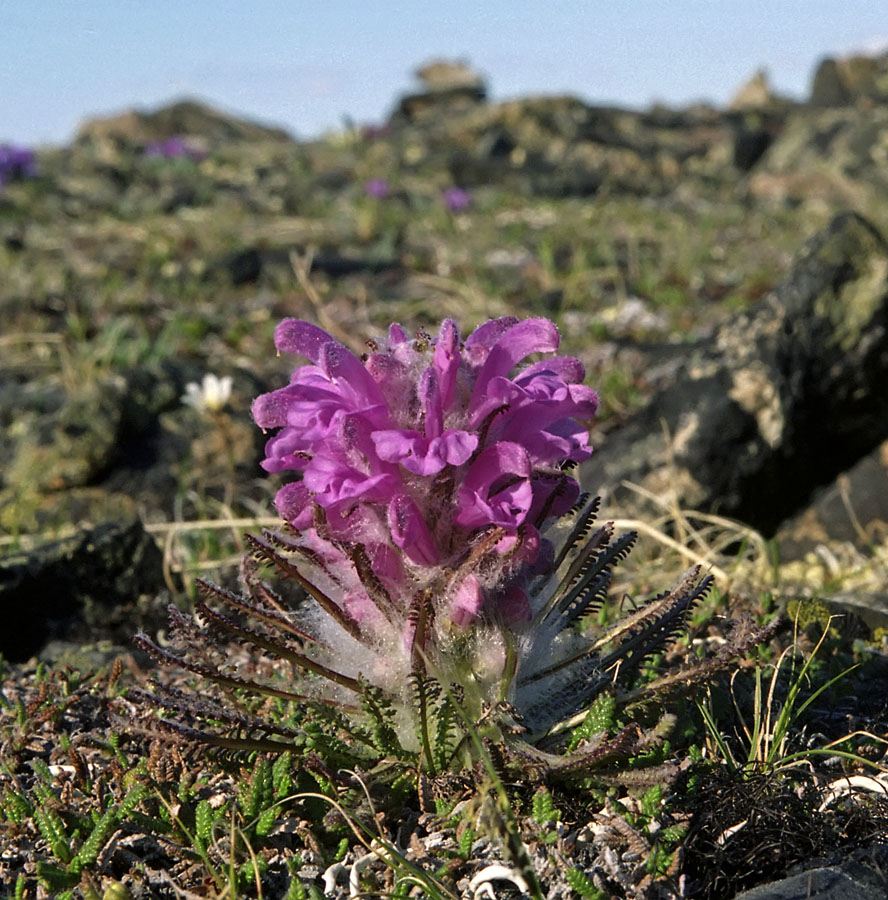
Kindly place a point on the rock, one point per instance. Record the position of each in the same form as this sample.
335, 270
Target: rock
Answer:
786, 397
561, 146
430, 104
97, 585
750, 145
448, 88
853, 509
67, 438
444, 75
755, 94
242, 266
855, 79
839, 882
117, 443
827, 157
828, 87
137, 128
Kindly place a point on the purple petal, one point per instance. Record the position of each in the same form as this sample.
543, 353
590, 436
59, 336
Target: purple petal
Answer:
566, 368
500, 459
349, 376
585, 401
430, 398
421, 456
563, 440
391, 375
486, 335
394, 445
410, 532
446, 361
530, 336
298, 336
569, 491
533, 407
293, 502
497, 489
270, 410
387, 566
356, 524
528, 544
454, 446
334, 481
397, 334
467, 601
514, 607
281, 452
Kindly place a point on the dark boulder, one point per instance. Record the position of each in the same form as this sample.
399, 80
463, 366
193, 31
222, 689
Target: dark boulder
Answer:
851, 510
784, 399
97, 585
750, 145
828, 87
853, 79
242, 266
842, 881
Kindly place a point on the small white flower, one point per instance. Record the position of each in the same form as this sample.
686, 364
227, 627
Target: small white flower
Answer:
210, 395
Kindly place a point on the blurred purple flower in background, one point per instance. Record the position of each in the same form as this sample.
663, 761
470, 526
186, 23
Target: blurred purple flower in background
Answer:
16, 163
174, 147
377, 187
372, 132
456, 199
438, 458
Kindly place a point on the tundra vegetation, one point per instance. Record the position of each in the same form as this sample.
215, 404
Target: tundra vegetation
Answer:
416, 655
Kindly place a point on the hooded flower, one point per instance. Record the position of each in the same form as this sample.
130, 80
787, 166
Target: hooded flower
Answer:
16, 163
174, 147
430, 467
456, 199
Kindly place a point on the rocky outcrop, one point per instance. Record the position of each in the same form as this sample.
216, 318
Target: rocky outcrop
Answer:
449, 87
781, 402
832, 156
137, 128
755, 94
852, 80
562, 146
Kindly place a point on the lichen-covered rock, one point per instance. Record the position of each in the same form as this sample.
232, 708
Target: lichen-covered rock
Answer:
117, 443
827, 156
188, 117
562, 146
448, 87
784, 399
63, 436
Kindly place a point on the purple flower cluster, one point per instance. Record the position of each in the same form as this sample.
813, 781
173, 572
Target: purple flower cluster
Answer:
423, 449
377, 187
174, 147
456, 199
16, 163
435, 457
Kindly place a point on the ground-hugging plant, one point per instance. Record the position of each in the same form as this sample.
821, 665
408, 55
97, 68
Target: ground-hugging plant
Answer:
446, 569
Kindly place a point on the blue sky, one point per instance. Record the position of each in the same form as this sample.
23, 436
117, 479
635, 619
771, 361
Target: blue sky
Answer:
306, 65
